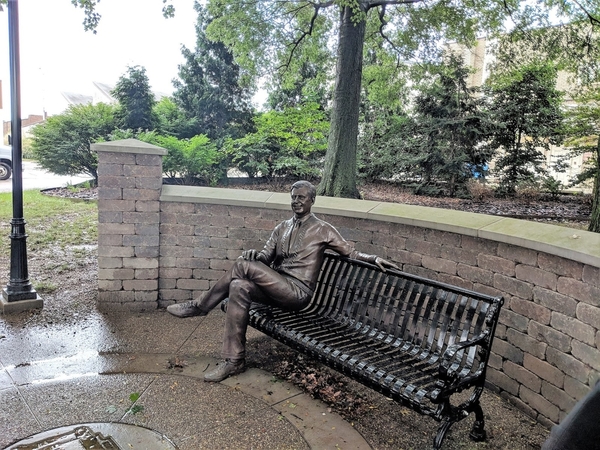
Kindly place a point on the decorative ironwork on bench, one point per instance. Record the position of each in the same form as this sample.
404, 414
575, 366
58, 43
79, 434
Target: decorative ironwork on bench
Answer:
415, 340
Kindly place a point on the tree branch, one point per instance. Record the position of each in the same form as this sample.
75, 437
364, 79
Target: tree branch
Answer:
296, 43
376, 3
382, 24
593, 20
320, 5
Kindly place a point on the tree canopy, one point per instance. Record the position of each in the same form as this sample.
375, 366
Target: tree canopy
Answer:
136, 100
526, 108
269, 37
210, 87
62, 143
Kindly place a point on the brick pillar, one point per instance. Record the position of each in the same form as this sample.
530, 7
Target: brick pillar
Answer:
129, 188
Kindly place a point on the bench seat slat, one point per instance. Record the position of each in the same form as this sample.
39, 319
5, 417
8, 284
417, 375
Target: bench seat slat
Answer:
400, 360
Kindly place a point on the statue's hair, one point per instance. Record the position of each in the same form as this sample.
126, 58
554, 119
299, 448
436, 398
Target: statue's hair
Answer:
312, 190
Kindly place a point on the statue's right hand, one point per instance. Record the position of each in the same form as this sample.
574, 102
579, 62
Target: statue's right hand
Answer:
249, 255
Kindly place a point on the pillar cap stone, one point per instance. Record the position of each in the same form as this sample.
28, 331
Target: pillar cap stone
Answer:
128, 146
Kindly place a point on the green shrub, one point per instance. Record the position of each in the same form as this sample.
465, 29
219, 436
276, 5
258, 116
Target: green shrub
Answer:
290, 143
61, 145
189, 161
553, 186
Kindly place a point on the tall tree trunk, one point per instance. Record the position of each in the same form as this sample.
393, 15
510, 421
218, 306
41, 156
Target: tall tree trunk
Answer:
595, 216
339, 176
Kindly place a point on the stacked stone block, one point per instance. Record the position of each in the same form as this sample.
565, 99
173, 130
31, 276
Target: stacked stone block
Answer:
200, 242
129, 187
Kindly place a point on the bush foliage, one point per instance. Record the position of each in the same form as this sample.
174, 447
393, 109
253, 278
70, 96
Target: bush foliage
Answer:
61, 145
288, 143
194, 161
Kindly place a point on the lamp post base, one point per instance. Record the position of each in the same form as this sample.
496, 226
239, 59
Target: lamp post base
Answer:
14, 303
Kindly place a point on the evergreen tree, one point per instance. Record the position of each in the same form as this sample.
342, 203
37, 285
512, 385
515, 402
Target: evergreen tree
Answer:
583, 136
136, 100
171, 119
209, 88
450, 126
526, 110
385, 147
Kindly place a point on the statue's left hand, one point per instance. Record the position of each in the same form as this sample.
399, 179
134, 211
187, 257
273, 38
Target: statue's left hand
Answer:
249, 255
383, 263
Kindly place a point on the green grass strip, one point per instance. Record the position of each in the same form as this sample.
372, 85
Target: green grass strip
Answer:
51, 222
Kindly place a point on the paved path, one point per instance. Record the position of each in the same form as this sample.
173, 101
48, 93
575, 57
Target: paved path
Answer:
66, 378
35, 177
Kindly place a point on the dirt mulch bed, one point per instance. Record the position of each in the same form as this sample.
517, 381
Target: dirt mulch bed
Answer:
385, 424
567, 210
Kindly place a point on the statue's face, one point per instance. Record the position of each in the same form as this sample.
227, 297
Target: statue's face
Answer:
301, 201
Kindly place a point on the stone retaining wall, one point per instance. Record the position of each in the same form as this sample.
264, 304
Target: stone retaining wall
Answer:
164, 244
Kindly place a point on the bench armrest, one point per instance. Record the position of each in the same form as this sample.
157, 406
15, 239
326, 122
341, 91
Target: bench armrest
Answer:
449, 366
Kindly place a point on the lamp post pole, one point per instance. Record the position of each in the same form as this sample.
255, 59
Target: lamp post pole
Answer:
19, 294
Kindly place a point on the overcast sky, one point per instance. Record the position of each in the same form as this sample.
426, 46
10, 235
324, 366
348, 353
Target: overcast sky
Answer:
58, 55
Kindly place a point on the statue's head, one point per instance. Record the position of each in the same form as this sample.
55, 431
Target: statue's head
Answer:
303, 196
312, 190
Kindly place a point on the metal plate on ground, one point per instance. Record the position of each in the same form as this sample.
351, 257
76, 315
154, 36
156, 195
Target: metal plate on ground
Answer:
104, 436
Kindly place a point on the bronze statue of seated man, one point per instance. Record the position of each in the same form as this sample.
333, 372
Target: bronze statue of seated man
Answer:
283, 274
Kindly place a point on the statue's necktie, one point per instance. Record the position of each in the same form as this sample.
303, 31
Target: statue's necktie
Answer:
294, 236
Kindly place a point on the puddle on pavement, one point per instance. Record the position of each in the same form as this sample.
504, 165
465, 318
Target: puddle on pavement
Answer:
88, 348
34, 355
61, 368
109, 436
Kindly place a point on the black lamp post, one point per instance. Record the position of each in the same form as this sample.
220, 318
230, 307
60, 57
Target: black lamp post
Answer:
19, 294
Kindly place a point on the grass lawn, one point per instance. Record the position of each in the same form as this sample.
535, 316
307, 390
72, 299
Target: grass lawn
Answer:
61, 234
50, 221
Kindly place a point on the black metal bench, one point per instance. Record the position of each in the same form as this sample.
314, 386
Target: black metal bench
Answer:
414, 340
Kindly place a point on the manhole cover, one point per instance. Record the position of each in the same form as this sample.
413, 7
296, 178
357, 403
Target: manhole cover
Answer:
105, 436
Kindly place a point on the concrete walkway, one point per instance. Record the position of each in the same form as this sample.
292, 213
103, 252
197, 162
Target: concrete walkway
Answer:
134, 381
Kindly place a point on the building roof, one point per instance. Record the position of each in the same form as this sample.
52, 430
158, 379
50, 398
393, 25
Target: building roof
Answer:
74, 98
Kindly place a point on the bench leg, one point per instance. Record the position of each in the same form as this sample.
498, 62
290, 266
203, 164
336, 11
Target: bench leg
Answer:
441, 434
478, 432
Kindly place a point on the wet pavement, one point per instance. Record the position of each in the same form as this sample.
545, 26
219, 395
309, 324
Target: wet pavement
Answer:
135, 381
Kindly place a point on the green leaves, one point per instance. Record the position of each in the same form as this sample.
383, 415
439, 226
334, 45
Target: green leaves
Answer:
436, 147
136, 100
583, 137
526, 108
190, 161
92, 18
62, 143
287, 143
135, 408
212, 90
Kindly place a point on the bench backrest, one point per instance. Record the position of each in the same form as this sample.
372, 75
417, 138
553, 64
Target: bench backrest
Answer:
406, 310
